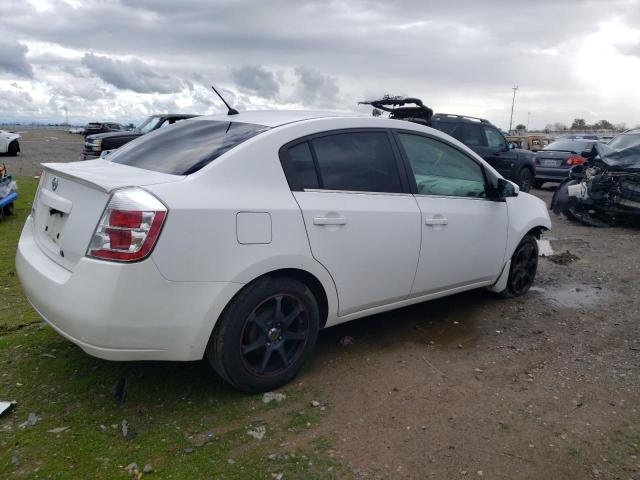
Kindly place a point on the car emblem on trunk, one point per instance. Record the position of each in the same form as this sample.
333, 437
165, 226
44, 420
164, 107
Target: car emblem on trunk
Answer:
54, 183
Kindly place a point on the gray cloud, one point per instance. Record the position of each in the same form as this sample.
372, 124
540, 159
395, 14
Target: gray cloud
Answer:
315, 88
133, 75
13, 59
463, 56
256, 79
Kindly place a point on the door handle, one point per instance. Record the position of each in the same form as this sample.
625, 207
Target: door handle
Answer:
436, 221
329, 221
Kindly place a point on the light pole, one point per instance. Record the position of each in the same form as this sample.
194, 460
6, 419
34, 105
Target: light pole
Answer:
513, 102
528, 118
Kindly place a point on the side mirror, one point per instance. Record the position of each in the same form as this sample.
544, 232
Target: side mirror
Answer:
505, 188
511, 146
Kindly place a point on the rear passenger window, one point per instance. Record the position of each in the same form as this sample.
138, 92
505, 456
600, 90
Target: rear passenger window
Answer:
357, 161
302, 167
471, 135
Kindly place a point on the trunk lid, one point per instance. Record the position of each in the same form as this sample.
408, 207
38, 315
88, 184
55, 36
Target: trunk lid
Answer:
71, 199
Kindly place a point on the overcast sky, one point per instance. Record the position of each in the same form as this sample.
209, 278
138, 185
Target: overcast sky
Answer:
124, 59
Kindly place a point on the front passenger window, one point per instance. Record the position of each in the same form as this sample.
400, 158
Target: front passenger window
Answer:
442, 170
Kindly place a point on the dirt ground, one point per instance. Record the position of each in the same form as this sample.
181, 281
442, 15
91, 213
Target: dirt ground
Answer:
545, 386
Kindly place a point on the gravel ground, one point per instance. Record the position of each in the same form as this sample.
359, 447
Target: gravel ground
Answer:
545, 386
40, 146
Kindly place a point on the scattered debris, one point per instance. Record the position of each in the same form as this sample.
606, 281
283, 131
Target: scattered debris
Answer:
32, 419
15, 460
544, 248
126, 433
347, 341
6, 407
315, 403
119, 390
231, 461
59, 429
277, 476
271, 396
258, 433
272, 456
564, 258
132, 469
187, 450
147, 468
48, 355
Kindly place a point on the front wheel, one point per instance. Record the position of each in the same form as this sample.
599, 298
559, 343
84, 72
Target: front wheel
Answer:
14, 148
265, 334
524, 265
525, 179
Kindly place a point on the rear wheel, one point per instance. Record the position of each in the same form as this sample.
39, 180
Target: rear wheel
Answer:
525, 179
524, 265
265, 334
14, 148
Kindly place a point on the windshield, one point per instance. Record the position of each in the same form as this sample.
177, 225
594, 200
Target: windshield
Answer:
625, 140
149, 124
569, 145
186, 147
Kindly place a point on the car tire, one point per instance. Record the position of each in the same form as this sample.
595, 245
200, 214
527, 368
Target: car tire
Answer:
525, 178
523, 268
14, 148
538, 183
265, 334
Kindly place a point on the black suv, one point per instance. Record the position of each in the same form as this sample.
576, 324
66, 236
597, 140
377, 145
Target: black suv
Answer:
479, 135
94, 145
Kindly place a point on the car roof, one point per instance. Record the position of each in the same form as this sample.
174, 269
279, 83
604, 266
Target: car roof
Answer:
455, 118
275, 118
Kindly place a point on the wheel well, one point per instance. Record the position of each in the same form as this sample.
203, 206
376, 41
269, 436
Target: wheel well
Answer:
537, 231
310, 281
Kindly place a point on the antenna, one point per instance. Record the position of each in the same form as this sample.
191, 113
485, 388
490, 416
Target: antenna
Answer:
231, 111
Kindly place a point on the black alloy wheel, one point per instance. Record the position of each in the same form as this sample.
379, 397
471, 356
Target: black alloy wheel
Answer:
274, 334
524, 265
265, 334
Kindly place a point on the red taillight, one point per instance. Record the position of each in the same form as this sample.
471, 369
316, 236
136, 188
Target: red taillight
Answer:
129, 227
573, 161
125, 218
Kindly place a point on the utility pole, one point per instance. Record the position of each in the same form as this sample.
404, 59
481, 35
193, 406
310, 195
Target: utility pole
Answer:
513, 102
528, 118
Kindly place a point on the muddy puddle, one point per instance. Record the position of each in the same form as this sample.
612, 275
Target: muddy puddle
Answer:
571, 296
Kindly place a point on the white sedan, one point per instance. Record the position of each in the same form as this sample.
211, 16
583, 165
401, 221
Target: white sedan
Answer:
9, 143
238, 237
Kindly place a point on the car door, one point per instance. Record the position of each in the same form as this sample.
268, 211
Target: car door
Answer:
498, 154
362, 222
464, 234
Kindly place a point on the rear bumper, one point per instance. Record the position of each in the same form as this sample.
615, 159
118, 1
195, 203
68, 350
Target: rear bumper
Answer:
552, 174
121, 311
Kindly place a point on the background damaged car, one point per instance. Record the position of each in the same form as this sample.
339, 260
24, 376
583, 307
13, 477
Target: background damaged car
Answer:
605, 190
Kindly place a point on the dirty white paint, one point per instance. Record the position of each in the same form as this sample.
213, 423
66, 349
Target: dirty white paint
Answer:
544, 248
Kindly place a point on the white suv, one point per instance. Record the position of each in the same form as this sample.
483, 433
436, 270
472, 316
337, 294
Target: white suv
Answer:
239, 237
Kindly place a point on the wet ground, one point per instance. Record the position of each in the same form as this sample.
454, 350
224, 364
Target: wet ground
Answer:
545, 386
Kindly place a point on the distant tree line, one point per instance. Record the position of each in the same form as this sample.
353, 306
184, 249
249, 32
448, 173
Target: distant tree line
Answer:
580, 125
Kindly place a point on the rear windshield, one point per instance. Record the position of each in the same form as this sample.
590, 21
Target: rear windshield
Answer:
625, 140
185, 147
570, 145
